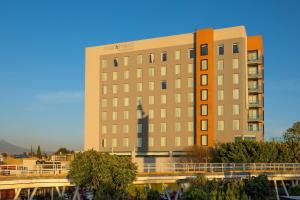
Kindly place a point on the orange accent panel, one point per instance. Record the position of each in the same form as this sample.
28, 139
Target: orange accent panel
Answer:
205, 36
254, 43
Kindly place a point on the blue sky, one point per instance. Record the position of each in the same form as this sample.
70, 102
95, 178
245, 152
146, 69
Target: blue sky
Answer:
42, 56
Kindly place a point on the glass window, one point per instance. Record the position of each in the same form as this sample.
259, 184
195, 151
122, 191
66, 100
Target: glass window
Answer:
190, 82
115, 116
203, 49
253, 70
139, 73
139, 114
235, 63
191, 53
126, 128
190, 111
163, 141
163, 127
164, 56
203, 95
115, 102
104, 129
177, 141
178, 83
204, 125
163, 99
116, 62
190, 68
151, 86
164, 85
190, 126
125, 142
104, 103
104, 116
236, 125
190, 140
236, 109
163, 71
126, 59
103, 64
177, 55
115, 89
151, 58
151, 100
220, 65
235, 79
114, 142
139, 128
220, 125
220, 95
177, 69
204, 140
220, 80
139, 59
252, 55
139, 87
220, 110
177, 112
204, 109
114, 128
235, 48
126, 74
126, 115
139, 142
221, 49
104, 77
139, 100
177, 126
151, 72
177, 98
204, 65
163, 113
151, 114
190, 97
204, 78
236, 93
151, 142
151, 128
126, 87
115, 76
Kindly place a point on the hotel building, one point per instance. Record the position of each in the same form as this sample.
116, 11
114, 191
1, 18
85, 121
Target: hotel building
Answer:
156, 97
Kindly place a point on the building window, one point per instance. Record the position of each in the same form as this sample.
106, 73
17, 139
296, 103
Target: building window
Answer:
204, 125
151, 58
190, 68
114, 142
177, 98
204, 78
163, 99
104, 103
104, 129
220, 65
191, 53
151, 114
190, 126
253, 70
235, 48
236, 94
236, 125
238, 138
104, 116
204, 109
220, 110
139, 73
139, 142
204, 65
249, 138
190, 111
190, 82
235, 63
115, 76
151, 100
115, 102
164, 56
126, 59
220, 80
114, 129
163, 127
125, 142
104, 143
177, 141
191, 97
103, 64
203, 49
178, 83
252, 55
151, 72
204, 141
126, 128
115, 116
116, 62
139, 59
151, 142
190, 140
236, 109
126, 115
163, 113
177, 112
220, 125
220, 95
164, 85
235, 79
126, 74
177, 69
204, 95
139, 114
151, 128
139, 100
177, 127
163, 71
139, 87
126, 88
151, 86
139, 128
221, 49
177, 55
163, 141
104, 76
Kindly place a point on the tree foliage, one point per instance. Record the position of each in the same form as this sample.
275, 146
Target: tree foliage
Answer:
108, 176
293, 133
258, 188
63, 151
39, 152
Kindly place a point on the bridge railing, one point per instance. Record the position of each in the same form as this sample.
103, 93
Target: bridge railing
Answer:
219, 167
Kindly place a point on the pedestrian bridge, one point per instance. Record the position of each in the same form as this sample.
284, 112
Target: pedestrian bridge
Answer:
54, 177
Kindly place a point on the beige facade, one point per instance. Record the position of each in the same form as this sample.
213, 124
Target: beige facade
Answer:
140, 96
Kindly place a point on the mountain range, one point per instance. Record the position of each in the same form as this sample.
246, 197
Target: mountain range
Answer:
6, 147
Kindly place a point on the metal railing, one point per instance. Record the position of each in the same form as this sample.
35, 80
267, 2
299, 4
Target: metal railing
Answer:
257, 89
256, 75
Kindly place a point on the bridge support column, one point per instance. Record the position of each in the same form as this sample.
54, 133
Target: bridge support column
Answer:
76, 194
276, 189
58, 191
28, 193
285, 190
17, 193
33, 193
52, 193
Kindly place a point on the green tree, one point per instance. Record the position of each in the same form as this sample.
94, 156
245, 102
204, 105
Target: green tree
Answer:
258, 188
63, 151
39, 152
107, 176
293, 133
153, 195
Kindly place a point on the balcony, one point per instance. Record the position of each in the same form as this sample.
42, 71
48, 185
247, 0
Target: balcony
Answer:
254, 118
258, 75
255, 130
255, 104
257, 89
258, 60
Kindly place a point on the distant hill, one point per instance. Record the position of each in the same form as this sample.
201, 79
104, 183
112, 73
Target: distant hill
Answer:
11, 148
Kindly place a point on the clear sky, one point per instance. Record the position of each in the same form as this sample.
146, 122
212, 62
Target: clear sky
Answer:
42, 56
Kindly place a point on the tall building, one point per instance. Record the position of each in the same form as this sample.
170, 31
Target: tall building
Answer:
156, 97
